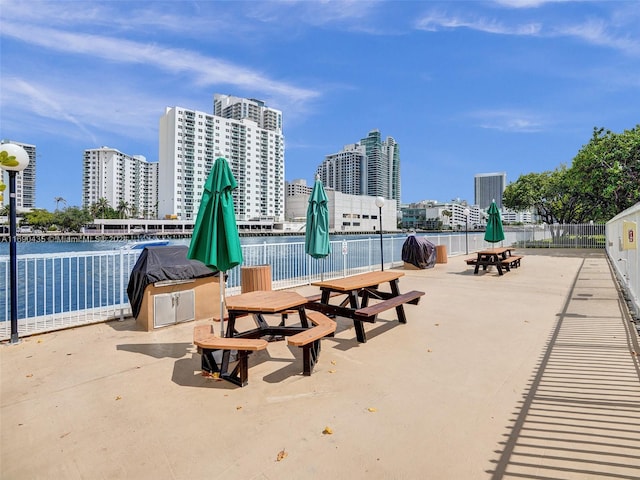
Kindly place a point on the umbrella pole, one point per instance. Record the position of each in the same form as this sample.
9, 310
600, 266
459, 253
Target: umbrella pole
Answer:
322, 270
222, 285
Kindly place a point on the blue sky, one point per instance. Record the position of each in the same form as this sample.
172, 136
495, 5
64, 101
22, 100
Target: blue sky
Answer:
463, 87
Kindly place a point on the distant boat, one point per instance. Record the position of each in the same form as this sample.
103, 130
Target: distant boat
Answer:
145, 243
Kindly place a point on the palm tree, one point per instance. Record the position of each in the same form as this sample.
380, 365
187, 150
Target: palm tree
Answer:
123, 209
447, 213
99, 208
58, 200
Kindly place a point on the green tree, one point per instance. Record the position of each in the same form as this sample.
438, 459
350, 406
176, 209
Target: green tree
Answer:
447, 213
606, 172
550, 194
101, 208
72, 219
39, 218
123, 209
603, 180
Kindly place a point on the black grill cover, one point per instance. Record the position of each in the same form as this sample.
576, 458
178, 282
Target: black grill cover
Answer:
419, 251
156, 264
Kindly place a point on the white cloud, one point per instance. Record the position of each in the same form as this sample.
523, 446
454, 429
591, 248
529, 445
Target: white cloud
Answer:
528, 3
601, 31
507, 121
21, 94
597, 32
205, 70
435, 21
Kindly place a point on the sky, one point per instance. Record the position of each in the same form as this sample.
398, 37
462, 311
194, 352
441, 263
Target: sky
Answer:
464, 87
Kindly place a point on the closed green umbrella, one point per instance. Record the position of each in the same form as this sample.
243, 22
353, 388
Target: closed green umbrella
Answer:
215, 240
494, 232
316, 236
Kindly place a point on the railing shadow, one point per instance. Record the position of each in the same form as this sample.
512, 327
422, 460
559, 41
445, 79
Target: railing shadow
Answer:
580, 417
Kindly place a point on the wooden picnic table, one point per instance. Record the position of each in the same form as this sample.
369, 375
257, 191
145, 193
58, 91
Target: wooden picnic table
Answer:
495, 257
359, 289
259, 304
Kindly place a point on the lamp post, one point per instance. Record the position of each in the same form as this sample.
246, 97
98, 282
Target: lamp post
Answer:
13, 159
380, 204
466, 229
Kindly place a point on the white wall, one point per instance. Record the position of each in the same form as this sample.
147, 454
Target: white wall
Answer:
626, 262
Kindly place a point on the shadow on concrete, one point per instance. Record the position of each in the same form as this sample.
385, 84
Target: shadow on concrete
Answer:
580, 417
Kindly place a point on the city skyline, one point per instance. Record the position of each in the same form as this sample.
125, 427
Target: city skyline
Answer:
463, 87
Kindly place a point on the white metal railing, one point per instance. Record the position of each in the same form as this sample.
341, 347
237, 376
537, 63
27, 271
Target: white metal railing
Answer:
71, 289
622, 249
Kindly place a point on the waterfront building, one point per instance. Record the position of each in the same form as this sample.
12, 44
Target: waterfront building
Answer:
244, 131
348, 213
489, 187
25, 181
434, 215
509, 216
369, 167
121, 179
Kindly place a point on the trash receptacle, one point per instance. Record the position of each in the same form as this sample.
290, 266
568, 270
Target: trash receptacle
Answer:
441, 254
255, 277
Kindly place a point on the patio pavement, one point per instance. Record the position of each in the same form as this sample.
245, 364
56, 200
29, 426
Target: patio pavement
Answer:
534, 375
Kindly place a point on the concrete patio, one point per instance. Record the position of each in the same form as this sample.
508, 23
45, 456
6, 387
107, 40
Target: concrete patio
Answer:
534, 374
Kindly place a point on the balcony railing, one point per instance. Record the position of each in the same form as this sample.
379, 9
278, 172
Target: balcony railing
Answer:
70, 289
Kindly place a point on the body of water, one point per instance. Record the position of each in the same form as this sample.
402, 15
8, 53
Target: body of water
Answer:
29, 248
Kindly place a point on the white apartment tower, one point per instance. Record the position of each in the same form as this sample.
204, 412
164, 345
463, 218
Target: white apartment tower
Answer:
244, 131
25, 180
121, 179
346, 171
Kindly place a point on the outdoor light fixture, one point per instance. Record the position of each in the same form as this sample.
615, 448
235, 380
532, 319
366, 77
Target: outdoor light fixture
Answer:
466, 229
380, 204
13, 159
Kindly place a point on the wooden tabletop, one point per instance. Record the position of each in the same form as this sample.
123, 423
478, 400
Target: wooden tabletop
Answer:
495, 251
265, 301
362, 280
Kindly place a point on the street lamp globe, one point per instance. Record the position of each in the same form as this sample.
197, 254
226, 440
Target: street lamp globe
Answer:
14, 159
379, 202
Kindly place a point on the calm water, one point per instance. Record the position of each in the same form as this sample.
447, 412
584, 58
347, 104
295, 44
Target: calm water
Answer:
26, 248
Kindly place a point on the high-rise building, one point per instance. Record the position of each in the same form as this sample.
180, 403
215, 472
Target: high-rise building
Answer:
489, 187
123, 180
345, 171
369, 167
383, 159
244, 131
298, 187
25, 180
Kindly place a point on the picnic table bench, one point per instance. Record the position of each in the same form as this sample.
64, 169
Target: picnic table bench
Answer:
364, 286
369, 314
512, 261
309, 340
208, 342
500, 257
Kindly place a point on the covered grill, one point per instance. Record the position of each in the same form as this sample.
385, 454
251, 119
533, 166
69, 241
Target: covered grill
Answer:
419, 252
181, 288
